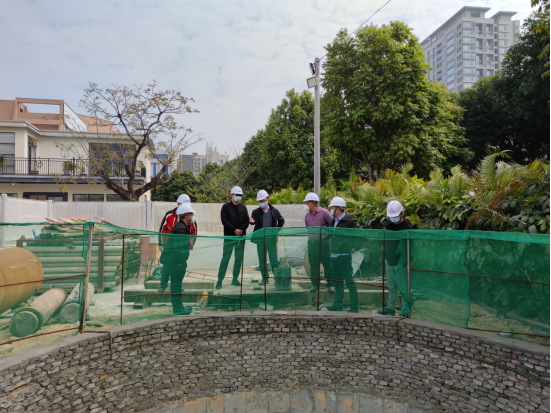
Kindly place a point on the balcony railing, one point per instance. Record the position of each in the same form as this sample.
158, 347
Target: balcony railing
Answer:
61, 167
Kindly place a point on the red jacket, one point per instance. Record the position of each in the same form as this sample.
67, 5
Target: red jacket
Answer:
169, 220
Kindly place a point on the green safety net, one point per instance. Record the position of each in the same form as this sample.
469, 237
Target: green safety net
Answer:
51, 308
496, 282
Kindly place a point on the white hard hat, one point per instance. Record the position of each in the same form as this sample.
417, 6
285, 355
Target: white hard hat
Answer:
393, 209
184, 209
236, 191
262, 194
338, 202
311, 197
184, 199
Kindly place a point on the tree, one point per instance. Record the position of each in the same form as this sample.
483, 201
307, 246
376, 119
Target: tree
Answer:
380, 110
511, 109
180, 182
542, 27
146, 120
285, 147
215, 181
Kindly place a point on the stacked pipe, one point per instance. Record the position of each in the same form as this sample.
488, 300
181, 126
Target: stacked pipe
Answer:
62, 261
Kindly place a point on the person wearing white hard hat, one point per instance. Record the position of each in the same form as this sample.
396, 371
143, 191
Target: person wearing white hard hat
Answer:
235, 220
396, 222
341, 256
318, 255
169, 220
175, 255
266, 216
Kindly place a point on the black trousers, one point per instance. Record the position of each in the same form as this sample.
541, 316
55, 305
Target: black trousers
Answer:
342, 273
271, 250
229, 246
314, 261
176, 272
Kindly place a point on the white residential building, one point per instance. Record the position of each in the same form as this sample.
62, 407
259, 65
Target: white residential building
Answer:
469, 46
33, 164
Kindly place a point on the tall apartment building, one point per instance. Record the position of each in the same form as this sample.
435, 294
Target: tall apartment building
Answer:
196, 162
193, 162
469, 46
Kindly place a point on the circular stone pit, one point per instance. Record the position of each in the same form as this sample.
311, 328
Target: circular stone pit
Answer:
278, 362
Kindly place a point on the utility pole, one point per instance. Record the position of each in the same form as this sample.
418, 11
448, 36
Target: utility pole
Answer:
317, 175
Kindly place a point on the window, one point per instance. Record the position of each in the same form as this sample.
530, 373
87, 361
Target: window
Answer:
467, 85
468, 24
449, 35
468, 33
468, 40
469, 71
450, 50
450, 71
469, 78
469, 55
7, 143
502, 50
13, 195
503, 42
468, 62
475, 14
87, 197
503, 27
502, 35
113, 198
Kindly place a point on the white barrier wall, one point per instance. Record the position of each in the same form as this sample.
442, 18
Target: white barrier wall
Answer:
133, 215
123, 214
15, 210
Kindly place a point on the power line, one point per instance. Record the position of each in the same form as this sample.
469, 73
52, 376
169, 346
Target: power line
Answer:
361, 25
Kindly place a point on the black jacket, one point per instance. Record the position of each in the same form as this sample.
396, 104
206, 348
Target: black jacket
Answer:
234, 217
258, 216
177, 249
343, 244
391, 247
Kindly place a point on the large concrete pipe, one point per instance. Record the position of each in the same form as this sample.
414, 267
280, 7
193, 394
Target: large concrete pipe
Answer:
18, 265
30, 319
70, 311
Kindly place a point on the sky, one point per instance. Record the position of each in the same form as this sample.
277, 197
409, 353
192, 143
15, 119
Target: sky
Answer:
236, 59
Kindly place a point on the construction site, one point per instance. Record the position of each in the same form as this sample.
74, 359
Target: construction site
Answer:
65, 279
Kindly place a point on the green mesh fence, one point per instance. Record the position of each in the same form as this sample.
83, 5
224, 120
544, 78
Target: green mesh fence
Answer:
496, 282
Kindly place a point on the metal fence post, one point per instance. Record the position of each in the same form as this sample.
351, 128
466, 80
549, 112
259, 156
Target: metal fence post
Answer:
383, 284
319, 272
3, 229
242, 273
265, 265
409, 273
86, 277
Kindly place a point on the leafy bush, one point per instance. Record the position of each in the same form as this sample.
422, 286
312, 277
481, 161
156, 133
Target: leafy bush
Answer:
497, 196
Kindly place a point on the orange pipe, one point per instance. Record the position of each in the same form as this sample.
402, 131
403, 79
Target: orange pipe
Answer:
18, 265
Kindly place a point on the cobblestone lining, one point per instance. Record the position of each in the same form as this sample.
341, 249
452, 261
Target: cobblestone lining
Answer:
434, 367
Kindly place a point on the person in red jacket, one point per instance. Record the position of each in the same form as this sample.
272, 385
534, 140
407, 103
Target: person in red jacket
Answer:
169, 220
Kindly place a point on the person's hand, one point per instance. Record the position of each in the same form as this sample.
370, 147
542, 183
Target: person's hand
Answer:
251, 221
353, 251
238, 232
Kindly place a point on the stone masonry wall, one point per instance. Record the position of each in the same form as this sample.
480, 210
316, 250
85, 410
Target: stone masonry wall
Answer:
433, 367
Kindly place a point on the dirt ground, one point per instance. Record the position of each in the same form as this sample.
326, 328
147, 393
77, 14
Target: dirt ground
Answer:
106, 308
479, 318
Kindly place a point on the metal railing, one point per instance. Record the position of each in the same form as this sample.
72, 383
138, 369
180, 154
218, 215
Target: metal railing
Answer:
10, 165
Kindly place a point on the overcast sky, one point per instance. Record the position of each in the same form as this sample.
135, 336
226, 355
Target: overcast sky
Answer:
235, 58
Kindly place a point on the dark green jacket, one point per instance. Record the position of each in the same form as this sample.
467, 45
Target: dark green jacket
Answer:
340, 243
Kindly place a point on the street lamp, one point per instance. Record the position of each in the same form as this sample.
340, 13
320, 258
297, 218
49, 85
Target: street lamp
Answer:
315, 83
